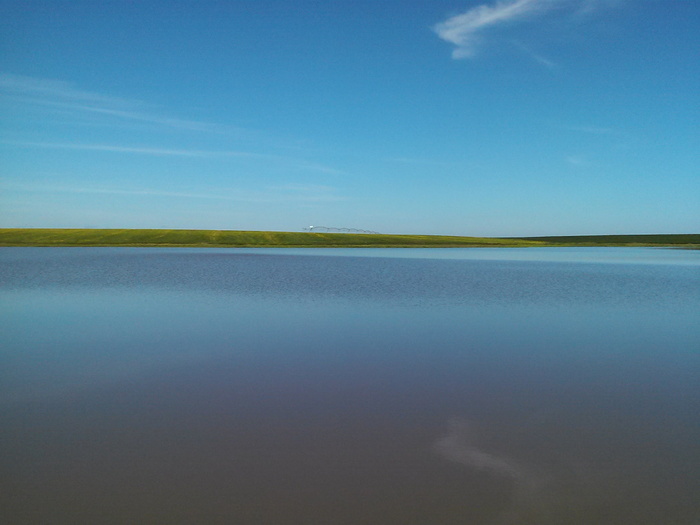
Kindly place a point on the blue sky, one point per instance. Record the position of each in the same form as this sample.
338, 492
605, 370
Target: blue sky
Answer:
510, 117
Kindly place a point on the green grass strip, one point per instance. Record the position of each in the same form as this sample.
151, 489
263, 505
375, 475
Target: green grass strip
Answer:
233, 238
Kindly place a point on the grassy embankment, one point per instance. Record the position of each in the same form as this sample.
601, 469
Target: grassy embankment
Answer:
229, 238
224, 238
676, 240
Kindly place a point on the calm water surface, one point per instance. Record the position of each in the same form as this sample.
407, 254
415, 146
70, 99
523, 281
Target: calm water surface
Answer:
414, 386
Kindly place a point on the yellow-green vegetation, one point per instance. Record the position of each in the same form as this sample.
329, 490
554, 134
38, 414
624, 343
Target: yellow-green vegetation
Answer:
233, 238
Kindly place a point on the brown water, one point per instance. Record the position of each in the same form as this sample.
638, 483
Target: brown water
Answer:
489, 386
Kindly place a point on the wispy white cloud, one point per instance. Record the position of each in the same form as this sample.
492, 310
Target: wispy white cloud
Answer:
68, 103
292, 163
271, 194
618, 138
97, 190
303, 187
328, 170
65, 96
306, 192
576, 160
55, 90
585, 8
138, 150
537, 57
464, 30
417, 161
593, 130
467, 30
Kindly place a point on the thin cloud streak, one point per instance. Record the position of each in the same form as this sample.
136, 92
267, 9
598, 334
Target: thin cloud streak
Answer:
321, 169
617, 137
593, 130
139, 150
58, 90
114, 191
307, 192
576, 160
417, 161
319, 188
542, 60
64, 95
290, 193
291, 162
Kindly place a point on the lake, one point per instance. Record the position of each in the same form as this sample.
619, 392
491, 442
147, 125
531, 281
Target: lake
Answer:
350, 386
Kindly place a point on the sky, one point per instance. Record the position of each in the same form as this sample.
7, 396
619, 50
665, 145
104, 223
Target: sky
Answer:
445, 117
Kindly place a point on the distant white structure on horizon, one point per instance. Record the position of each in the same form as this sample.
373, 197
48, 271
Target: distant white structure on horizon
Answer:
328, 229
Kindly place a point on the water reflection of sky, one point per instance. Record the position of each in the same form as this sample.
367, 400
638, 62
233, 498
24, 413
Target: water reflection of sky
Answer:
628, 255
529, 385
561, 254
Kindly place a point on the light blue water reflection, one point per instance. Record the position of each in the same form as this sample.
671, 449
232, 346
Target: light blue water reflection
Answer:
351, 386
